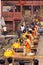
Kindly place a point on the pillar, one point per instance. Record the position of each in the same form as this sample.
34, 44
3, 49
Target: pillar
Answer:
13, 25
32, 10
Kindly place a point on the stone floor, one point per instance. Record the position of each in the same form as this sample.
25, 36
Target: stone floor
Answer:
40, 46
40, 51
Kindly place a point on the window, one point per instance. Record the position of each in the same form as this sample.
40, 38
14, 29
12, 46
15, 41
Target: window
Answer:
26, 10
9, 25
27, 7
7, 9
17, 9
36, 8
36, 11
42, 10
17, 24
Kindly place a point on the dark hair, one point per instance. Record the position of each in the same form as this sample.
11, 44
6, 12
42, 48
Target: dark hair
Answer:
21, 40
24, 30
2, 61
9, 60
30, 31
22, 25
27, 36
32, 28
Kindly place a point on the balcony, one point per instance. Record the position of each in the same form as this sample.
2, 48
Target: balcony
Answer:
14, 2
17, 15
32, 2
10, 16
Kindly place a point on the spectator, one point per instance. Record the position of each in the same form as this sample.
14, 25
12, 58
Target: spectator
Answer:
22, 28
9, 60
4, 30
19, 33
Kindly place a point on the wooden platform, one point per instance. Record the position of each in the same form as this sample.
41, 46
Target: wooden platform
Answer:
7, 36
21, 56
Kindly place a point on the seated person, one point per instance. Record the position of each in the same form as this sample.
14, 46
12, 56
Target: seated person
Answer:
30, 36
28, 44
24, 34
33, 32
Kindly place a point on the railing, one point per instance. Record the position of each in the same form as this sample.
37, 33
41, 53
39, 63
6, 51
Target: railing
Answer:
8, 14
12, 15
8, 18
14, 2
17, 15
32, 2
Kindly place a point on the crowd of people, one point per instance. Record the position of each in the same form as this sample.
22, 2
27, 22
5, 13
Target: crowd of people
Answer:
26, 37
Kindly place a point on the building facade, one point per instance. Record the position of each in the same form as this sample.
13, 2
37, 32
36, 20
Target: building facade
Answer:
13, 11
